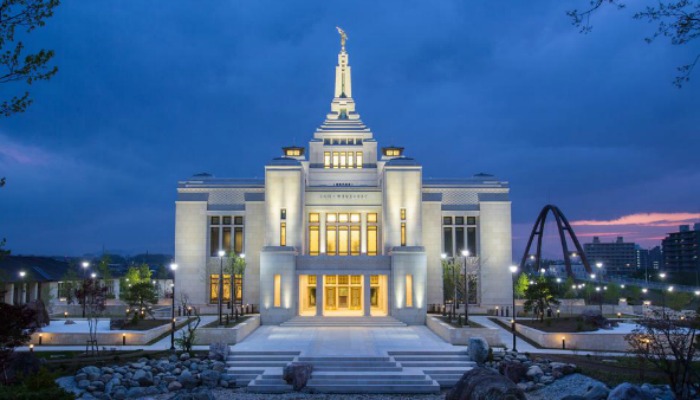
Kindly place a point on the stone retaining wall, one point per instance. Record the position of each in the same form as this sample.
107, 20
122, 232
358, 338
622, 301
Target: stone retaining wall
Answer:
228, 335
460, 336
575, 341
111, 338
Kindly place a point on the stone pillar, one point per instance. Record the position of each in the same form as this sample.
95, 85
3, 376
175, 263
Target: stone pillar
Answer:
319, 295
366, 295
34, 292
10, 295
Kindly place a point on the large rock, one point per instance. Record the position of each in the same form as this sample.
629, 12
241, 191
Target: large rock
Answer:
218, 351
597, 392
297, 374
563, 368
628, 391
478, 349
143, 377
534, 373
484, 384
515, 371
210, 378
187, 380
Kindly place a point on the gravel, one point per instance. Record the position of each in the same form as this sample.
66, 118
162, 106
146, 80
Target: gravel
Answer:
575, 384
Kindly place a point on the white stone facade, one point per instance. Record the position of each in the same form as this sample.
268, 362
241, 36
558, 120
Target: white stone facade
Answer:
343, 228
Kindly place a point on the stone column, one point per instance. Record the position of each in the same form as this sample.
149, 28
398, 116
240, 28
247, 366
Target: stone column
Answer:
10, 295
34, 292
319, 295
366, 295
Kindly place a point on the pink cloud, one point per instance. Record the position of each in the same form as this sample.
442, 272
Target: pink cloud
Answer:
644, 219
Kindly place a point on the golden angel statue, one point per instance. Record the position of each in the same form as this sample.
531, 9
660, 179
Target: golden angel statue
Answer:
343, 37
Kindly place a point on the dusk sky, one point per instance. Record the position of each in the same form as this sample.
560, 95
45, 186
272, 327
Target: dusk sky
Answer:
149, 93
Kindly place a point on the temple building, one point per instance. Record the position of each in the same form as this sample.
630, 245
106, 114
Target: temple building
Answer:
342, 227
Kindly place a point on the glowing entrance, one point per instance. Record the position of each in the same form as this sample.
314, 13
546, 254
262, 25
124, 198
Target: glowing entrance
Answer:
343, 295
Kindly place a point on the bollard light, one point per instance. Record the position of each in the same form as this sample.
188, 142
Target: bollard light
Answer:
563, 343
123, 339
40, 339
31, 348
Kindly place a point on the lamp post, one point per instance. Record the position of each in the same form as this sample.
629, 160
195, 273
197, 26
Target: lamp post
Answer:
513, 270
221, 285
173, 267
85, 266
465, 254
663, 297
443, 257
22, 297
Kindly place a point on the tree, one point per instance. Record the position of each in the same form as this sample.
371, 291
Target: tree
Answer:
677, 20
14, 331
188, 335
139, 292
235, 266
103, 270
93, 294
19, 17
668, 345
539, 296
449, 268
521, 285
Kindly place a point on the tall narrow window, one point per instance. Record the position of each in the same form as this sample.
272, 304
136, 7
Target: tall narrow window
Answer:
283, 234
313, 240
283, 213
403, 214
403, 234
371, 240
409, 290
214, 245
359, 159
471, 240
447, 241
351, 159
342, 159
372, 217
313, 217
459, 240
226, 245
336, 161
331, 240
355, 240
238, 240
342, 240
278, 291
326, 159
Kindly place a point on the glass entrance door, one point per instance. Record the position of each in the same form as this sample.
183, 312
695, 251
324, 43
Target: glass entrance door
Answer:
343, 295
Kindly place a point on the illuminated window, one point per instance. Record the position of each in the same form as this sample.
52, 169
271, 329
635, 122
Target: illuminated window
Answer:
342, 159
371, 240
355, 218
336, 161
403, 234
314, 240
409, 290
372, 217
343, 217
293, 152
312, 279
238, 240
355, 240
313, 217
374, 279
283, 234
214, 288
327, 159
392, 152
226, 238
359, 159
331, 217
278, 291
356, 279
331, 240
403, 214
351, 159
342, 240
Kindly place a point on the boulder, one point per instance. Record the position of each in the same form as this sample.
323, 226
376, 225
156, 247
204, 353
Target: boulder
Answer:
210, 378
628, 391
478, 349
143, 377
174, 386
218, 351
136, 392
484, 384
297, 374
514, 371
563, 368
534, 373
184, 356
187, 380
597, 392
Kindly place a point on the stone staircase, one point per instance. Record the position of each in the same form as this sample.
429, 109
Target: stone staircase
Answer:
343, 322
445, 367
398, 372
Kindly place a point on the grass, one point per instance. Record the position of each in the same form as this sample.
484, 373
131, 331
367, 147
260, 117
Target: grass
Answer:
231, 324
455, 323
575, 324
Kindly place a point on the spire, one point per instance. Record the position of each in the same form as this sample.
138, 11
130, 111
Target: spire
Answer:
343, 83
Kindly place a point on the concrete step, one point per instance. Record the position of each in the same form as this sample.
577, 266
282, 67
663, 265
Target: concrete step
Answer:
251, 364
344, 359
432, 358
260, 358
363, 381
378, 322
325, 375
357, 369
394, 353
418, 388
436, 364
354, 364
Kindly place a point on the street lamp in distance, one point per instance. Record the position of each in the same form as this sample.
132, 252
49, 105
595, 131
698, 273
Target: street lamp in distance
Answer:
173, 267
222, 253
513, 269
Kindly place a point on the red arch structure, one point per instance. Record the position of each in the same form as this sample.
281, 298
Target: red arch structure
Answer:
562, 226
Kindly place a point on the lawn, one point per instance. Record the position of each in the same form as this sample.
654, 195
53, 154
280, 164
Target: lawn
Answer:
568, 324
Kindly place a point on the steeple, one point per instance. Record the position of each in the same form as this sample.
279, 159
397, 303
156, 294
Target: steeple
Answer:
343, 84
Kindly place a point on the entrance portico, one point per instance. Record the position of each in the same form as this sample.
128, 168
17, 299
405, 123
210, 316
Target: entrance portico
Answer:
343, 295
